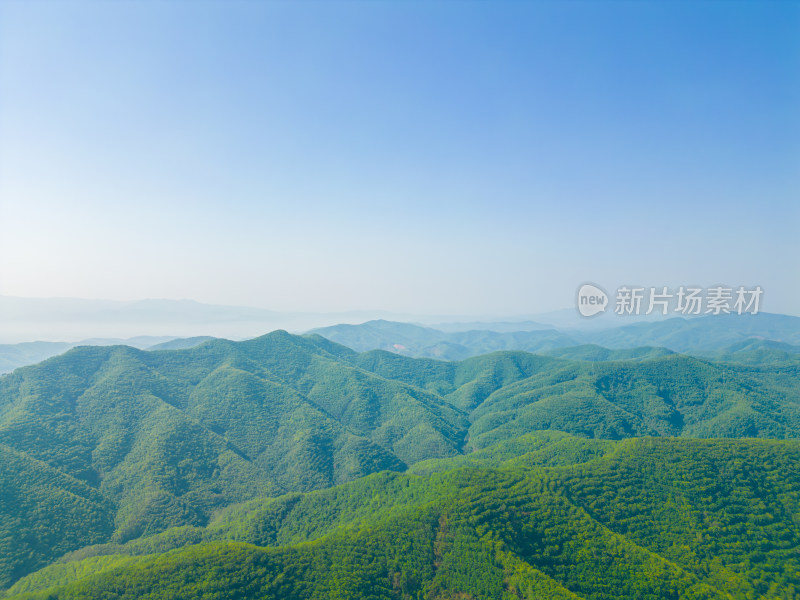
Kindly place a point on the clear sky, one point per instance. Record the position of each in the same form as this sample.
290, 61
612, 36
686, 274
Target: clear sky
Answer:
423, 157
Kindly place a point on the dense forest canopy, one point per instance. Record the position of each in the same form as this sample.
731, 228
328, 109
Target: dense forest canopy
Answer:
127, 471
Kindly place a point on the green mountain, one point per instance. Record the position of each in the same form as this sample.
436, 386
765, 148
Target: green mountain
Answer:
13, 356
182, 343
168, 437
750, 339
137, 442
28, 353
416, 341
704, 336
594, 352
542, 516
507, 394
700, 334
45, 513
756, 351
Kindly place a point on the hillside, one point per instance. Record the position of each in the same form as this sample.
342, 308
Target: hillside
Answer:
416, 341
755, 340
705, 336
700, 334
509, 393
13, 356
643, 518
28, 353
756, 351
141, 441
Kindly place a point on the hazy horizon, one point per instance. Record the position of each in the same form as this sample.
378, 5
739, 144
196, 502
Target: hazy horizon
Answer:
78, 320
412, 158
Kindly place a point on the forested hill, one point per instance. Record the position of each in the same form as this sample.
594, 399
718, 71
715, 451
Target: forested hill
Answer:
108, 444
542, 516
708, 335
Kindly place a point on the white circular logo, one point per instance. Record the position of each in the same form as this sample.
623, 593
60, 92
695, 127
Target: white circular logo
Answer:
591, 300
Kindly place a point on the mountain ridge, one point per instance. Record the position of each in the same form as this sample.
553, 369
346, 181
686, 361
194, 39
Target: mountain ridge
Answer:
285, 413
510, 525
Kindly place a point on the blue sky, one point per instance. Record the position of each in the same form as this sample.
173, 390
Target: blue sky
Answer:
423, 157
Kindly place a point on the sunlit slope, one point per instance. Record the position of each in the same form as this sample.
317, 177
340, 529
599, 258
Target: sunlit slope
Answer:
509, 393
167, 438
642, 518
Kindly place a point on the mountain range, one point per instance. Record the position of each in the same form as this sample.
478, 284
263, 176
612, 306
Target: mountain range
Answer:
709, 336
752, 339
110, 445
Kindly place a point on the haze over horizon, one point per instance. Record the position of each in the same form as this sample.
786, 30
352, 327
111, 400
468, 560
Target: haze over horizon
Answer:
401, 157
